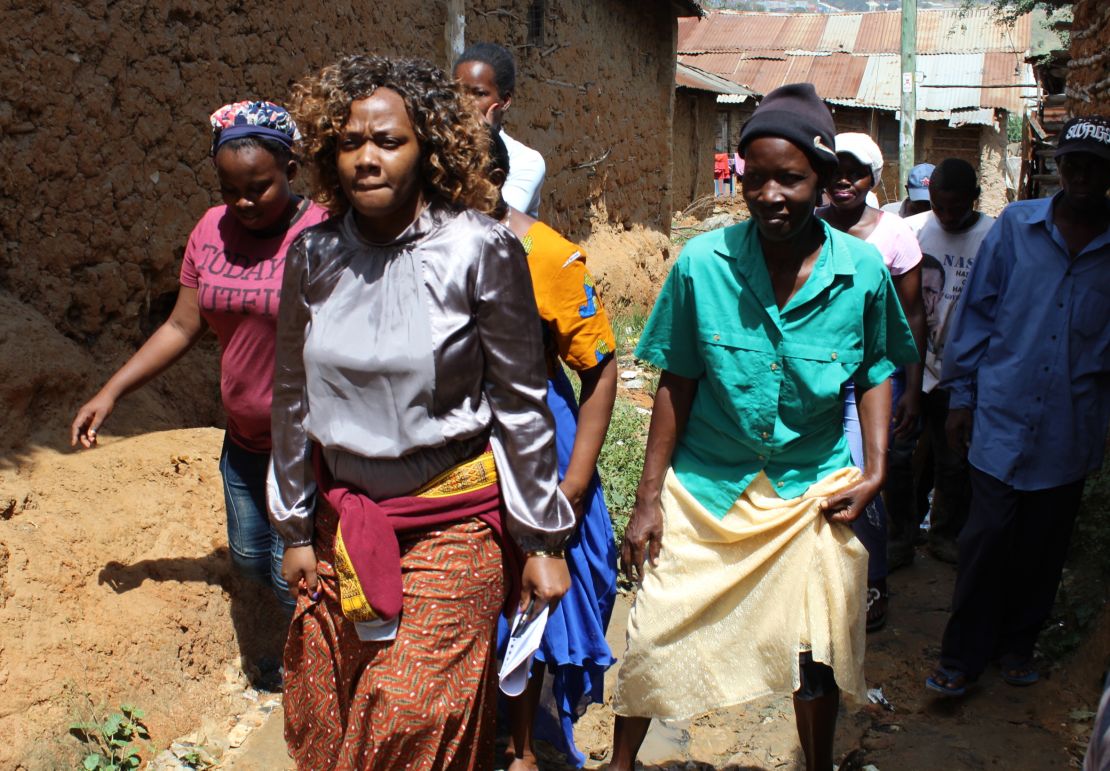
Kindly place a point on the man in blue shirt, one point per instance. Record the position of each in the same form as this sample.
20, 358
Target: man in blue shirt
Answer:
1028, 369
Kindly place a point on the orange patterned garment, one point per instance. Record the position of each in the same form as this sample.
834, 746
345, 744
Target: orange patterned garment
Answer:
425, 700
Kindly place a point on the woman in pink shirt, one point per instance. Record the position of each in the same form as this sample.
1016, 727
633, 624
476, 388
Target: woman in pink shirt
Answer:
860, 162
230, 281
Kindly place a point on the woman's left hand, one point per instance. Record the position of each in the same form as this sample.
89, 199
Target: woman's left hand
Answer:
849, 503
545, 580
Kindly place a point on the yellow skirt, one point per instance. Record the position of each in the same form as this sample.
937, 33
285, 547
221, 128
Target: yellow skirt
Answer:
731, 602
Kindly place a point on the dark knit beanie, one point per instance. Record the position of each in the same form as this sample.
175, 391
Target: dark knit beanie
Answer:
795, 113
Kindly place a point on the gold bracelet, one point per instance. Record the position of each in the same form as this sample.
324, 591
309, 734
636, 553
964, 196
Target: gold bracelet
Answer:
552, 553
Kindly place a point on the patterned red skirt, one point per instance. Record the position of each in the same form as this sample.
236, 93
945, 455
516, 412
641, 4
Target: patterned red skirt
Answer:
425, 700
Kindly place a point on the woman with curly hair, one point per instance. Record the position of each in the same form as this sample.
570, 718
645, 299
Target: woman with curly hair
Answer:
408, 413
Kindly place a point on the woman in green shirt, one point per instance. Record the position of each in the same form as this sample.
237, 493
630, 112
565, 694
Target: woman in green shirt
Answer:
755, 583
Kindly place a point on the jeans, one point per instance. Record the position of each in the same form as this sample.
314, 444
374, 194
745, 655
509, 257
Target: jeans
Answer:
256, 550
869, 527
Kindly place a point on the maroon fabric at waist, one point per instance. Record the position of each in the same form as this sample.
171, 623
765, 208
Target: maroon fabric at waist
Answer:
370, 529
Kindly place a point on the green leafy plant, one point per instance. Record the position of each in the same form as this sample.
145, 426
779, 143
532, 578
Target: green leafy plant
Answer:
113, 740
622, 455
1015, 124
621, 461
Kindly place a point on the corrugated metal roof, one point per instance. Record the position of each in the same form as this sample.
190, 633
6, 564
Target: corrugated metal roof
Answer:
983, 117
840, 33
967, 62
881, 85
938, 73
689, 76
975, 31
881, 33
725, 65
938, 31
800, 32
833, 75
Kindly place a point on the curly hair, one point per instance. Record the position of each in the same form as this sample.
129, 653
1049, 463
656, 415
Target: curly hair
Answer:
454, 142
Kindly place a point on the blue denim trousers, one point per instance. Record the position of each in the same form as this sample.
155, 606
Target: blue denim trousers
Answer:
870, 527
256, 550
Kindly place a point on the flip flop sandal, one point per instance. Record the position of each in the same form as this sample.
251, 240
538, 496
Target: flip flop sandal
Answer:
877, 605
950, 683
1020, 676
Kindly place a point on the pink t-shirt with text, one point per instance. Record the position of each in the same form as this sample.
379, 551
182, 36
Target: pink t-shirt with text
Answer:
237, 276
896, 242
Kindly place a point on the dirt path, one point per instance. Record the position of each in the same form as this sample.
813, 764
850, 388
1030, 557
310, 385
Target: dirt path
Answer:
115, 586
998, 726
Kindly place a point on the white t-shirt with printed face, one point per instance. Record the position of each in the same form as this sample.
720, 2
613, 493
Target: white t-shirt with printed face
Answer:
942, 279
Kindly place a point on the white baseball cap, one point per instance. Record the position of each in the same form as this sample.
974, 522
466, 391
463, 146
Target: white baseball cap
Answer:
863, 149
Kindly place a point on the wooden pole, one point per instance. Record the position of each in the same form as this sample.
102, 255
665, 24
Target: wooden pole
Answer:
455, 30
909, 92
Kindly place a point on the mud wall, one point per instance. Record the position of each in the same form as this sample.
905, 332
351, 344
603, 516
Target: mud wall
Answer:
104, 122
103, 127
695, 129
1088, 87
992, 169
982, 146
594, 96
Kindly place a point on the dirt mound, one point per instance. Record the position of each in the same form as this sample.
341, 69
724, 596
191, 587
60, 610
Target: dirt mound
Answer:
115, 585
629, 265
48, 376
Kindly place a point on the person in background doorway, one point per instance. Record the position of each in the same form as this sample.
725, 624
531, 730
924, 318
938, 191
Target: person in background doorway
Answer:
752, 583
860, 164
949, 235
488, 73
576, 333
917, 193
231, 281
1027, 367
722, 175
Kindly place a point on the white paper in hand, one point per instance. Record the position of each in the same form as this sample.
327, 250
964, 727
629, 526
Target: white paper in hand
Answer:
523, 643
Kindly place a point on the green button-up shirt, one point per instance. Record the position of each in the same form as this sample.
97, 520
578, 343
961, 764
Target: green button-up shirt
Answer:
770, 381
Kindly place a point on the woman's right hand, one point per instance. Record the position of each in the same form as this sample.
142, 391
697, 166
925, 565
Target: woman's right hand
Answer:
298, 568
643, 537
94, 412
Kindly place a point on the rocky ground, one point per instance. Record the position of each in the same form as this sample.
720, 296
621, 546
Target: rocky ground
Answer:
115, 586
998, 726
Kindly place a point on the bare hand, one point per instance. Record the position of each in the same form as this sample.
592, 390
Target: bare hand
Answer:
89, 418
298, 568
906, 414
958, 429
575, 497
846, 505
643, 537
493, 114
544, 582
